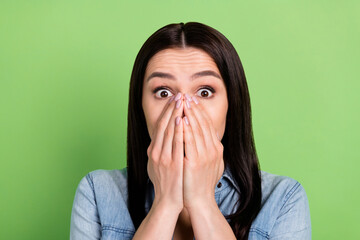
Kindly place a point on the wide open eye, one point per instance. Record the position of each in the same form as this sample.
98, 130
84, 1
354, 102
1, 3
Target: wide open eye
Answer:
162, 92
206, 92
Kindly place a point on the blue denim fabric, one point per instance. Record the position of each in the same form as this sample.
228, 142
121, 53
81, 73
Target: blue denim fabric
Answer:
100, 207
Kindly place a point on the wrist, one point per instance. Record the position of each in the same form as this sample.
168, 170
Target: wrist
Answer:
160, 222
201, 205
167, 205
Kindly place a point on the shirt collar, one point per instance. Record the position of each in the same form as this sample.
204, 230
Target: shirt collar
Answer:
226, 180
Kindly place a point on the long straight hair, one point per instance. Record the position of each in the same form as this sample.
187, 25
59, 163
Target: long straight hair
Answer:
239, 148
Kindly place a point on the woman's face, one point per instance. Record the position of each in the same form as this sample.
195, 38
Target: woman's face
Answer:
185, 70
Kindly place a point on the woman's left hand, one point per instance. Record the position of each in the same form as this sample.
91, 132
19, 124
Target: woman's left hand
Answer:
203, 161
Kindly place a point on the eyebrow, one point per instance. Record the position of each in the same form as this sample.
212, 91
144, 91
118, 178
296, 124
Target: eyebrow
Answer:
194, 76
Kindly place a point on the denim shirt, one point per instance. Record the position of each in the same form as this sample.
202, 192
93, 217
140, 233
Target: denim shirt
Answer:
100, 208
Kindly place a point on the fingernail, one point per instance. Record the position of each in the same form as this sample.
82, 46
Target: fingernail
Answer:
188, 97
177, 120
178, 96
195, 100
178, 103
187, 103
171, 99
186, 120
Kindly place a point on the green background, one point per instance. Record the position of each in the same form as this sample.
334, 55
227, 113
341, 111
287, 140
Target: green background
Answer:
64, 78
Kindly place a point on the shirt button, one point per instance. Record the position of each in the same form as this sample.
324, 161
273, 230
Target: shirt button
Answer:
219, 185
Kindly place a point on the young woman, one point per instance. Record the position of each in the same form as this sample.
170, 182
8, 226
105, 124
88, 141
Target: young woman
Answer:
192, 169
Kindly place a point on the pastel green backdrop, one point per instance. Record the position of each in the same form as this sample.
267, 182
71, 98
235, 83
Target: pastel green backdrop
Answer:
64, 77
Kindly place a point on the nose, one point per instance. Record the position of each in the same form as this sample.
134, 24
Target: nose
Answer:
184, 96
183, 99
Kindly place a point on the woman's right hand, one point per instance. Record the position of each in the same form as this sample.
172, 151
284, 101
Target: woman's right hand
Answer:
165, 156
165, 170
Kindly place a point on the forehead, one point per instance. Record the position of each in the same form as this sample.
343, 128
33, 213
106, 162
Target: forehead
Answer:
186, 59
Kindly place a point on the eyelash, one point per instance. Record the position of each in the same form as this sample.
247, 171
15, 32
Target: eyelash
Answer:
212, 90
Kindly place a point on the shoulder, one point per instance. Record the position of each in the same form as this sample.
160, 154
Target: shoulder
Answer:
105, 184
280, 187
284, 210
105, 180
110, 191
97, 184
101, 205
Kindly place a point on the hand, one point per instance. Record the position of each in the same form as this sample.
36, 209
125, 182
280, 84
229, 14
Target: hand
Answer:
203, 161
166, 153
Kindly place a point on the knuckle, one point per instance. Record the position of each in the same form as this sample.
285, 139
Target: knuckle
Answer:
154, 155
167, 133
164, 160
178, 141
148, 151
220, 147
190, 142
218, 144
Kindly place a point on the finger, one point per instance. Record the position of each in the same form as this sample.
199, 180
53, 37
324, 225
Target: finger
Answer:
162, 123
215, 136
190, 148
214, 144
154, 131
204, 122
195, 128
166, 107
169, 131
178, 141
